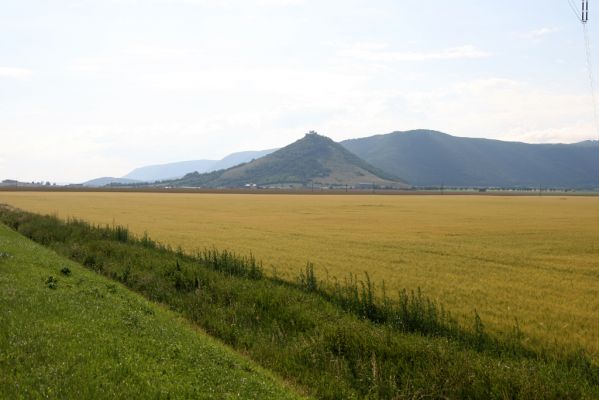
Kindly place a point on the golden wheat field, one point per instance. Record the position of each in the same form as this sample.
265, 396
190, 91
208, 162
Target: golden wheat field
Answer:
534, 259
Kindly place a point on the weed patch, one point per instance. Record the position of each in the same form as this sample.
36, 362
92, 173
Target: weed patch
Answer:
51, 282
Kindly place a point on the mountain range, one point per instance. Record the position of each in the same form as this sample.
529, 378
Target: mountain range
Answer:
430, 158
421, 158
177, 170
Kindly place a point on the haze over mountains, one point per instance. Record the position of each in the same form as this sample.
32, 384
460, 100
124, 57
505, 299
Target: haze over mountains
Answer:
109, 180
421, 158
177, 170
314, 159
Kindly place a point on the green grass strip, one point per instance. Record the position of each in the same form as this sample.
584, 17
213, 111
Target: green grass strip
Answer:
66, 332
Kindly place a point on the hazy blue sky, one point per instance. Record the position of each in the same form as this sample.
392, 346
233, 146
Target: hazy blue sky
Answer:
97, 87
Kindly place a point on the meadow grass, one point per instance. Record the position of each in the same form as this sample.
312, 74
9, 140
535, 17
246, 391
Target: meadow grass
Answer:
342, 344
66, 332
534, 260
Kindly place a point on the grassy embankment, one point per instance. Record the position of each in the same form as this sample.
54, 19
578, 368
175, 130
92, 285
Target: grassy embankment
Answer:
534, 259
340, 343
66, 332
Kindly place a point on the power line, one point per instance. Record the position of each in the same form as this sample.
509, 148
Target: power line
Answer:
575, 10
582, 15
589, 59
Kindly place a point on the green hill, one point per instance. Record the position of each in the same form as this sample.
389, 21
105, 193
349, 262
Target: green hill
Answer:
429, 158
314, 159
66, 332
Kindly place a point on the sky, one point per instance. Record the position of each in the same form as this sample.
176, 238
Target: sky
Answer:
92, 88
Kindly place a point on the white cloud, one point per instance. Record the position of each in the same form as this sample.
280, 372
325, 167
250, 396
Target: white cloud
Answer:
538, 33
344, 92
134, 60
504, 109
380, 52
15, 73
228, 3
78, 146
494, 107
199, 71
182, 79
222, 3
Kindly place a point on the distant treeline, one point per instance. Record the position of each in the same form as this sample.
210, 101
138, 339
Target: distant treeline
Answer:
337, 339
